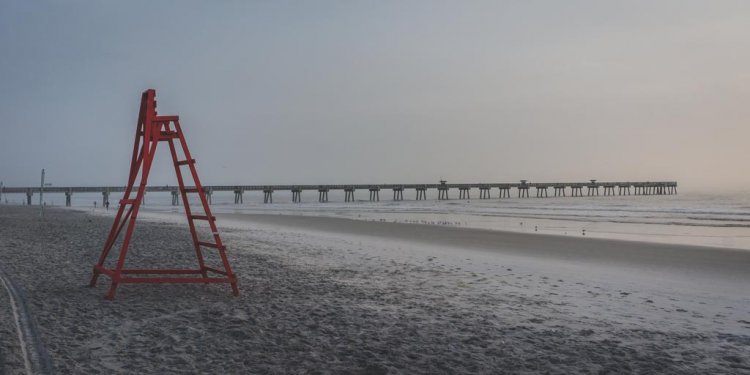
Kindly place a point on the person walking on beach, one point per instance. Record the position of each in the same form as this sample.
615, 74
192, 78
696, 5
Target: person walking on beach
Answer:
106, 204
94, 204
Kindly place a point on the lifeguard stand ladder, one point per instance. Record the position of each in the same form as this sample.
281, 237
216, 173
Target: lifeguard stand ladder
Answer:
151, 130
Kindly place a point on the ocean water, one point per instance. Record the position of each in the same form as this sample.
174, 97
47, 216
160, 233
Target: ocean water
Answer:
721, 220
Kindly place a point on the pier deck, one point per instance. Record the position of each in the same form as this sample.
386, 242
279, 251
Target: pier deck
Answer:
593, 188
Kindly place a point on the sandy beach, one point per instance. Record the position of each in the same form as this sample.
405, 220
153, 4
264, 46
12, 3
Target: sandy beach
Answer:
375, 187
328, 295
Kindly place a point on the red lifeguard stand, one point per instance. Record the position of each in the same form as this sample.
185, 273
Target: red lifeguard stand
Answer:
150, 131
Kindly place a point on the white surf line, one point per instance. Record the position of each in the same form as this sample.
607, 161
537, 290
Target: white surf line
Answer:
34, 355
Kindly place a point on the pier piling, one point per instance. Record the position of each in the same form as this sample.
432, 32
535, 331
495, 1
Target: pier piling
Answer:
593, 189
523, 189
484, 192
209, 192
442, 193
374, 193
105, 197
463, 193
349, 194
322, 195
238, 196
398, 193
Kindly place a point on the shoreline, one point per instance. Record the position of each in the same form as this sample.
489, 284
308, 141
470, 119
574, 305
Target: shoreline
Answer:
483, 215
640, 253
689, 219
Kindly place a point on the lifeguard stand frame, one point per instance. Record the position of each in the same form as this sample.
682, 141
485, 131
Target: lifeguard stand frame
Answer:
150, 131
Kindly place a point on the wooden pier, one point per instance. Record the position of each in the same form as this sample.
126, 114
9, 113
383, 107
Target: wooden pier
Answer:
591, 188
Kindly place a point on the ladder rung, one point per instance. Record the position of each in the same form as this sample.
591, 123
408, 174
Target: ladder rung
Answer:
202, 217
208, 244
127, 201
185, 162
166, 118
168, 135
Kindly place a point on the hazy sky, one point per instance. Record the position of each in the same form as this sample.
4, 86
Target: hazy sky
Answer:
313, 92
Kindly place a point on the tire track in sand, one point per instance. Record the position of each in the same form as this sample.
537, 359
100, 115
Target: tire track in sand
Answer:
35, 357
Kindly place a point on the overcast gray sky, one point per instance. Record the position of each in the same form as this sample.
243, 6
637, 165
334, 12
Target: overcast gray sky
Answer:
315, 92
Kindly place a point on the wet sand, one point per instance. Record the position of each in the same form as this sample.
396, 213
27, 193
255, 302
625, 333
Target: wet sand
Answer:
730, 263
339, 296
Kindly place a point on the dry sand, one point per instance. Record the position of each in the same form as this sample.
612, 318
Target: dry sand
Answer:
339, 296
